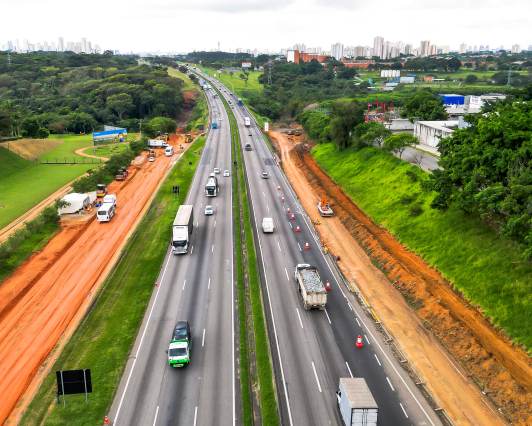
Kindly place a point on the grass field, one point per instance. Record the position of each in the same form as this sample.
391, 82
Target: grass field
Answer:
488, 270
23, 184
236, 84
104, 338
176, 73
107, 150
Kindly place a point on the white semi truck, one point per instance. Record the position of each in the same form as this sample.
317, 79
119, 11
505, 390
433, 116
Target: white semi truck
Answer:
312, 289
182, 229
356, 403
157, 143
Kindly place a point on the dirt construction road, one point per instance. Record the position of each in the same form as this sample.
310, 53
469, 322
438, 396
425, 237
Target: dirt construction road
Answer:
31, 323
445, 378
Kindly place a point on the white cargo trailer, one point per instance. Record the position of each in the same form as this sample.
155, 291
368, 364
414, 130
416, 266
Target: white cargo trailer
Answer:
181, 229
356, 403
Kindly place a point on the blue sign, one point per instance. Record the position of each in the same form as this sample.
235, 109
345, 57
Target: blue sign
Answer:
108, 136
370, 81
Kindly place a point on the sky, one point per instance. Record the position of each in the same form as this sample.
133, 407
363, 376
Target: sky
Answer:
186, 25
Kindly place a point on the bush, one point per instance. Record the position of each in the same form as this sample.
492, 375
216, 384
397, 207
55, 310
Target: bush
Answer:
413, 177
415, 210
43, 133
406, 199
50, 215
471, 78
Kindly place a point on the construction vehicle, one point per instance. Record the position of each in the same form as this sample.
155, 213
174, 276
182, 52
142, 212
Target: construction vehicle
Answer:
356, 403
290, 132
298, 132
122, 174
311, 288
188, 138
101, 190
324, 208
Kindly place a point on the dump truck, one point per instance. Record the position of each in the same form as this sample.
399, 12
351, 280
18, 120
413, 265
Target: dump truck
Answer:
188, 138
312, 289
356, 403
324, 208
101, 190
180, 345
182, 229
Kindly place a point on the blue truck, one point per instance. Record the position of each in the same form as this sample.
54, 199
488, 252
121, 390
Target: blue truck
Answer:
239, 101
214, 125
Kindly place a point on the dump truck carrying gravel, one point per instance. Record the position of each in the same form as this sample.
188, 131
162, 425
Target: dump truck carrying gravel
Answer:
311, 287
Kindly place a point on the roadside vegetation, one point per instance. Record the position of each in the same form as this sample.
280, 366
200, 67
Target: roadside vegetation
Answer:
105, 336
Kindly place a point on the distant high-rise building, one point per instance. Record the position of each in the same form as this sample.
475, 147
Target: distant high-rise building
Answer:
463, 48
425, 48
359, 51
516, 48
349, 52
408, 49
487, 47
337, 51
84, 46
25, 45
10, 46
60, 44
433, 49
378, 42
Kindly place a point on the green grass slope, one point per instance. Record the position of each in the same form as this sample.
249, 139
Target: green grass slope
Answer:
468, 252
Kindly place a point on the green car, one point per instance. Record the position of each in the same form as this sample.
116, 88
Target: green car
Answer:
180, 345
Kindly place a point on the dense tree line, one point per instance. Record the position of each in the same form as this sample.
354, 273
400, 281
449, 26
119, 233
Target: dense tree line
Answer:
81, 93
487, 168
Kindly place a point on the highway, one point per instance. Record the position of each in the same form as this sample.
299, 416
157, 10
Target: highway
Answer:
199, 287
313, 349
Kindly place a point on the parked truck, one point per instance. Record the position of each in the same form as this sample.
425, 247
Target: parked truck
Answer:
324, 208
312, 289
247, 121
182, 229
157, 143
356, 403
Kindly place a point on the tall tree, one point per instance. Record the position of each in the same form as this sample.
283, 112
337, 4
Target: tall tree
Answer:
346, 115
399, 142
426, 106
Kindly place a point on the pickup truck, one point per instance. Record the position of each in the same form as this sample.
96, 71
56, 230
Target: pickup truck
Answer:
267, 225
311, 287
324, 208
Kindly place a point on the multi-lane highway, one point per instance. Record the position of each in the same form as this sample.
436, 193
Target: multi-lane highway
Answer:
198, 287
311, 349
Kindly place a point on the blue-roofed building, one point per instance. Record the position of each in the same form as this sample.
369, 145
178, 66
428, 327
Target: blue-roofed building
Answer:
453, 99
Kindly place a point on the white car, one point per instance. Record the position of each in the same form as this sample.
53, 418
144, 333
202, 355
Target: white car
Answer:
217, 170
152, 159
265, 176
226, 173
209, 210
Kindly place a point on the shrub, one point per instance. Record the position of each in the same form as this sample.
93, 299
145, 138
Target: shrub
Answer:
50, 215
413, 177
415, 209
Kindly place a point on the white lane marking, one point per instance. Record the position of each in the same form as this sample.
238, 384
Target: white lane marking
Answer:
299, 247
287, 276
203, 340
349, 304
351, 374
195, 416
369, 343
215, 224
328, 316
378, 360
267, 207
316, 374
192, 249
358, 322
404, 411
300, 322
197, 225
212, 251
263, 194
279, 245
141, 341
184, 284
201, 205
155, 419
209, 286
390, 383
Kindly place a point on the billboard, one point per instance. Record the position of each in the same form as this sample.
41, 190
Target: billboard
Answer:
246, 64
475, 101
109, 136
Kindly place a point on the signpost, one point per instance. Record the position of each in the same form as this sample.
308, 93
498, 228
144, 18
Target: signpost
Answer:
70, 382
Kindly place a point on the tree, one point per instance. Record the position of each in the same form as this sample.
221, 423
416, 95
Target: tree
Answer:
487, 169
471, 78
245, 76
346, 115
6, 122
51, 74
426, 106
108, 53
43, 133
30, 127
417, 158
347, 73
399, 142
120, 103
454, 64
372, 133
468, 65
397, 66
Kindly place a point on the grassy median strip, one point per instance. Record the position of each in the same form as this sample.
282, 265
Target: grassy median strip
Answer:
105, 336
267, 392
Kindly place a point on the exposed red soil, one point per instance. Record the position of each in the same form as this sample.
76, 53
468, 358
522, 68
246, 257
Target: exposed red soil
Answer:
53, 284
504, 370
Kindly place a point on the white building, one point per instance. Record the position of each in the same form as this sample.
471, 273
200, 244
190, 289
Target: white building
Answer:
516, 48
61, 44
378, 42
463, 48
425, 48
337, 51
429, 132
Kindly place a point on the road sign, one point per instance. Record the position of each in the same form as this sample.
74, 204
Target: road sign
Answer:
70, 382
175, 189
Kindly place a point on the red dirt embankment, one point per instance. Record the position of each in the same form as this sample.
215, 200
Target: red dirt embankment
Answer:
504, 370
52, 285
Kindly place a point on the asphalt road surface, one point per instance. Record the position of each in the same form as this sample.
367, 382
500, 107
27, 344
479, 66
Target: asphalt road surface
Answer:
198, 287
428, 162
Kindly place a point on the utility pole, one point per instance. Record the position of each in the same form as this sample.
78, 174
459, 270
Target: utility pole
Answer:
509, 75
270, 63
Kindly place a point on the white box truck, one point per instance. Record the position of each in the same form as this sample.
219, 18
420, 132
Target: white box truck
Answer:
312, 289
267, 225
182, 229
356, 403
157, 143
110, 198
247, 121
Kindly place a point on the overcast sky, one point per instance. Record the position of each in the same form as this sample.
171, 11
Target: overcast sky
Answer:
184, 25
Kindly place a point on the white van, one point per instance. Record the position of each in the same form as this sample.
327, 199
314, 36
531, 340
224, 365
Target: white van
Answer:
169, 151
110, 198
106, 212
267, 224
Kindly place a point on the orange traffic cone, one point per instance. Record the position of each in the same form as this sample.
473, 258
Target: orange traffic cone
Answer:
328, 286
293, 217
288, 210
359, 342
106, 420
297, 228
306, 246
282, 197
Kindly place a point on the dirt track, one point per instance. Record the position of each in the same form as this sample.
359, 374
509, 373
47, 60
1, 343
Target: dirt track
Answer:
459, 327
44, 303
